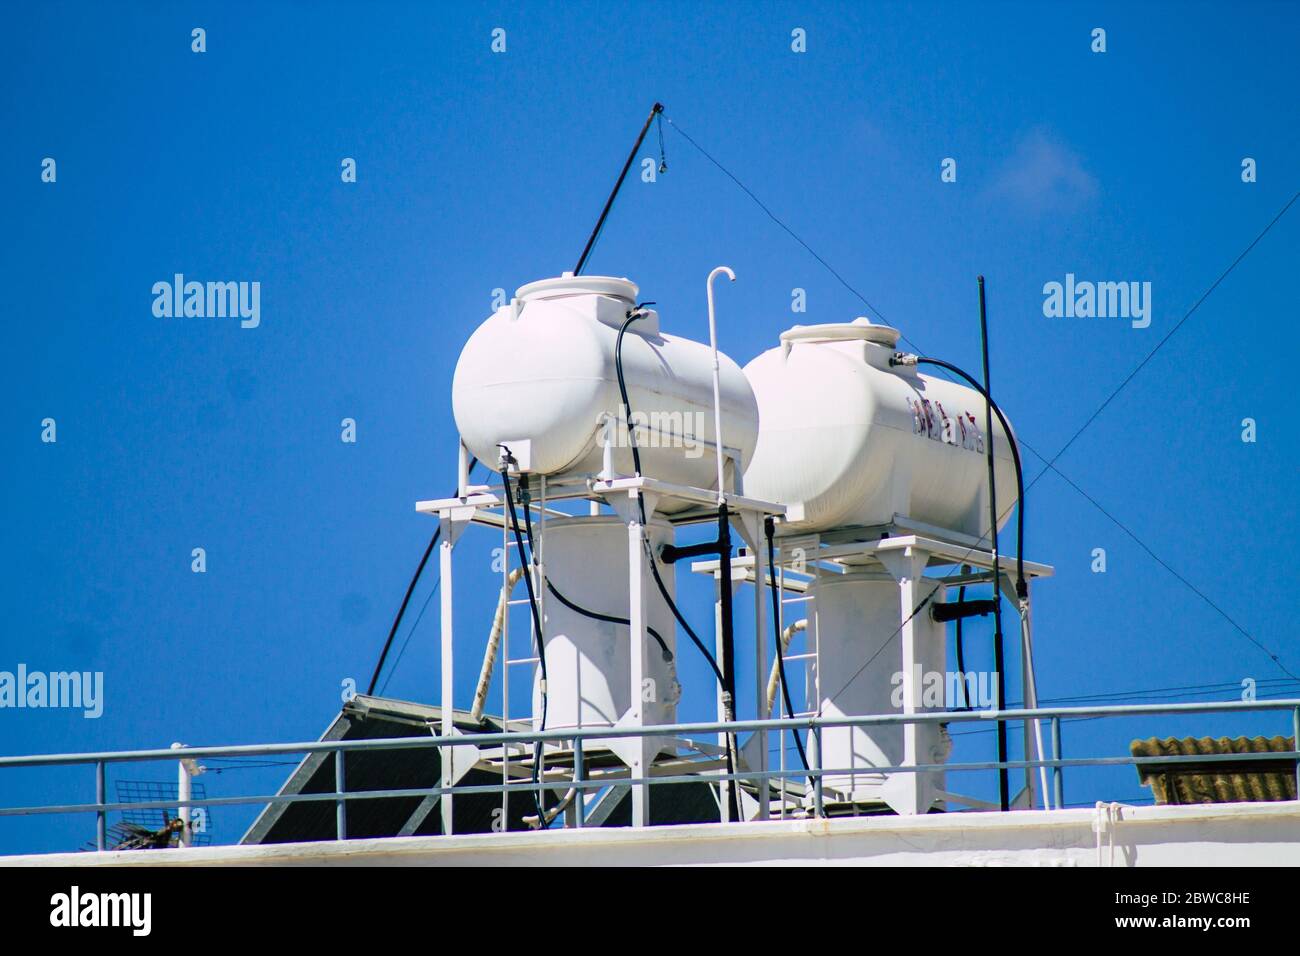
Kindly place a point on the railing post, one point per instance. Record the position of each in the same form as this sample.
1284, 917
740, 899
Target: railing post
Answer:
340, 788
816, 738
184, 792
1058, 781
579, 792
101, 829
1295, 745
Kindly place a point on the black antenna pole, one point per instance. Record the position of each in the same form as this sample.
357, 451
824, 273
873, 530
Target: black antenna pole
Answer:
609, 203
401, 611
410, 589
998, 659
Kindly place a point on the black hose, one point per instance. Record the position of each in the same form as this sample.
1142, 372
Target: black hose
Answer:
636, 466
632, 316
725, 675
572, 605
526, 558
769, 528
607, 618
410, 589
1021, 587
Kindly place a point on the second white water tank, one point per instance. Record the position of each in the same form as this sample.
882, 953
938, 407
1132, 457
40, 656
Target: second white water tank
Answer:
854, 441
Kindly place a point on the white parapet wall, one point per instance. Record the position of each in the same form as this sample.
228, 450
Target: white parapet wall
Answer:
1256, 834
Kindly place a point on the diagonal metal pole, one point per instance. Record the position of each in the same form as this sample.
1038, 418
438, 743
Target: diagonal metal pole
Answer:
609, 203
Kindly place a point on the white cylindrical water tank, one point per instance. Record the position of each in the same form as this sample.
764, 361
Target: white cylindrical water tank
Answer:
540, 372
856, 441
858, 670
589, 662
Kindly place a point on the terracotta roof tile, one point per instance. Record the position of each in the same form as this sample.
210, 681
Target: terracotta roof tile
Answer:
1247, 781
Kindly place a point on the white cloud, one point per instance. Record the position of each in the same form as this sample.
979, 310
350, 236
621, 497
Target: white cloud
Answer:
1042, 176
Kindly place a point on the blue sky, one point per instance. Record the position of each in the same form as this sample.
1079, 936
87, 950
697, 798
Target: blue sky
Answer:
479, 170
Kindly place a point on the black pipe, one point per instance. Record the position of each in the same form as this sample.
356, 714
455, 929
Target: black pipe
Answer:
960, 609
961, 653
726, 649
671, 553
999, 661
609, 203
769, 528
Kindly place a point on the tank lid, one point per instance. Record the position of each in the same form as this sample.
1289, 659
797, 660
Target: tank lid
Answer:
861, 329
569, 284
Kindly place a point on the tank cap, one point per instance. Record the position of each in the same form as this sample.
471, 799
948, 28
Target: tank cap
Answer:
860, 329
569, 284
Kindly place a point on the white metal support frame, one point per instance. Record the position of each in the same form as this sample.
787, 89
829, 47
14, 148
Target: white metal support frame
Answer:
752, 526
454, 516
904, 549
636, 574
907, 567
637, 752
482, 504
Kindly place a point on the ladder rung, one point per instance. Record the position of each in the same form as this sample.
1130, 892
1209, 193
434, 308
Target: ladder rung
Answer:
524, 660
811, 655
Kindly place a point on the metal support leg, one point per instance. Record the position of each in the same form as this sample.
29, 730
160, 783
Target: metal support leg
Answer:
1295, 731
760, 667
724, 739
1058, 784
462, 471
636, 634
448, 684
815, 758
908, 568
184, 793
1033, 730
579, 792
340, 805
101, 828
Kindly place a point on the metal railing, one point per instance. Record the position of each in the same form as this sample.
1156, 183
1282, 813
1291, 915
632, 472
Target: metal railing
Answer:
582, 782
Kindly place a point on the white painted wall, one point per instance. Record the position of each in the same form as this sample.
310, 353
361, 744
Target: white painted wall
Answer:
1262, 834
